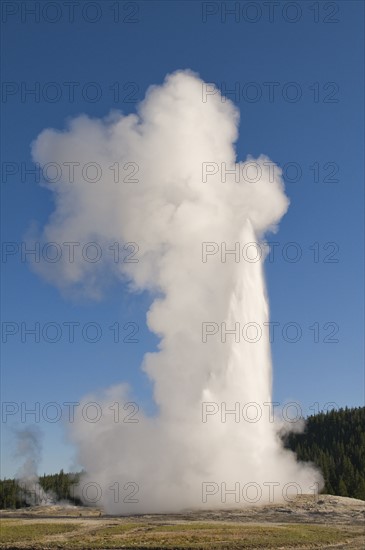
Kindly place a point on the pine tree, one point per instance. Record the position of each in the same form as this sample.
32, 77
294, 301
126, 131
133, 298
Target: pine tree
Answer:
335, 442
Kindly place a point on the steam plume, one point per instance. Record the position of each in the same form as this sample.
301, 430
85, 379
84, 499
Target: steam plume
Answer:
28, 448
170, 212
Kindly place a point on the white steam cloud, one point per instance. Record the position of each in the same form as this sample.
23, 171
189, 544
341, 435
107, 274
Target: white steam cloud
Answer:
166, 462
28, 450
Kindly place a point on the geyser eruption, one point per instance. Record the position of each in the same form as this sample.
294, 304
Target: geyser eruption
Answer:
28, 449
145, 184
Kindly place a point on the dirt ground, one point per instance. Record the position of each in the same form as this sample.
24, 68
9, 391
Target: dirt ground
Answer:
336, 513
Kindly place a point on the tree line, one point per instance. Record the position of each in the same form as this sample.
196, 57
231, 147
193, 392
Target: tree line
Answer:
58, 487
335, 441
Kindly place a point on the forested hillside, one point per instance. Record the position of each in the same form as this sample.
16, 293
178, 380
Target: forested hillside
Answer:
335, 441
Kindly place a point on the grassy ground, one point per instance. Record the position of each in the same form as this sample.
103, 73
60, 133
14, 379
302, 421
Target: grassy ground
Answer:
106, 534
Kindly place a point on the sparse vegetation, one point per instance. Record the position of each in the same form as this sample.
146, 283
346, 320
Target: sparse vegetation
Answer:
13, 531
183, 535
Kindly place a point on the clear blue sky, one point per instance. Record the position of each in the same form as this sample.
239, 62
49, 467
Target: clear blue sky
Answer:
318, 56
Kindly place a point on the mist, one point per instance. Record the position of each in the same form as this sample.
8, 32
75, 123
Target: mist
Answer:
28, 451
152, 193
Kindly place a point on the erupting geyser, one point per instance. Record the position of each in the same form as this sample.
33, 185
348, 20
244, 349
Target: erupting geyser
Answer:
161, 201
28, 449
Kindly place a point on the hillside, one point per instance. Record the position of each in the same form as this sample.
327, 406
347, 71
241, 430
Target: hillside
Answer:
335, 441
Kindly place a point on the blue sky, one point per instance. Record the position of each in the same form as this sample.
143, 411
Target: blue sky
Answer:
317, 56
